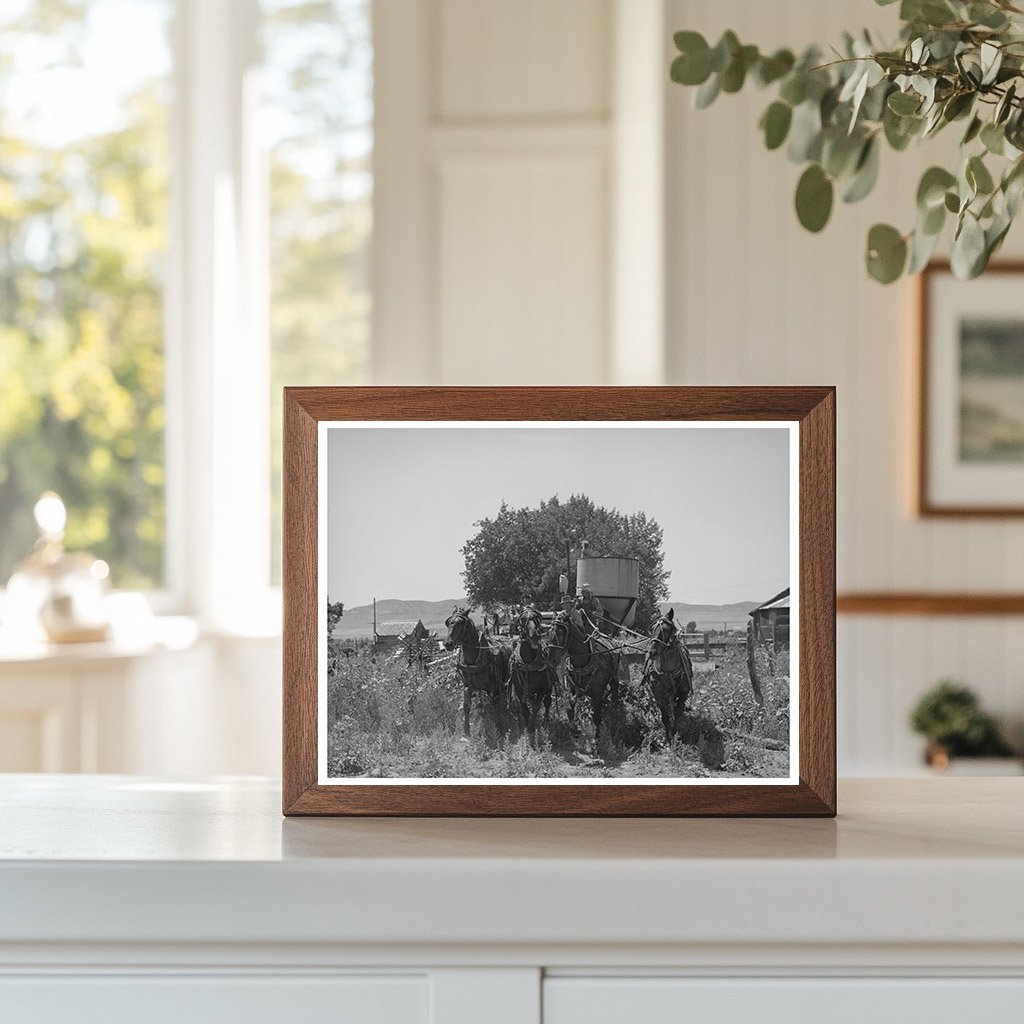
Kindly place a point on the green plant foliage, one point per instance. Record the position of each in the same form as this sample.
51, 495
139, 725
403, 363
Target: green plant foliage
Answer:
814, 194
949, 715
955, 60
521, 552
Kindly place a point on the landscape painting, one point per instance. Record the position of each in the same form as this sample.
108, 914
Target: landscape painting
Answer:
991, 390
583, 602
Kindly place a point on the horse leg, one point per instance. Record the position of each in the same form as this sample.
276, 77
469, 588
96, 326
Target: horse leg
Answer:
533, 710
668, 719
467, 699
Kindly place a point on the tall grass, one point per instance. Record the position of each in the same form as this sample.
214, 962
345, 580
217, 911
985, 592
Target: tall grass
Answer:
388, 719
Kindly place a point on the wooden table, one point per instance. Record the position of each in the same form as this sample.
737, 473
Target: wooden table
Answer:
195, 901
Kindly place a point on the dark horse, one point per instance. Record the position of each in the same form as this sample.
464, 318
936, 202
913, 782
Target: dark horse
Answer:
592, 666
531, 673
668, 671
483, 668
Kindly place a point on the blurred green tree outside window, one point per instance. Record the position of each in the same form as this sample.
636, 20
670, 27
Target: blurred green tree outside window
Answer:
85, 107
317, 119
83, 237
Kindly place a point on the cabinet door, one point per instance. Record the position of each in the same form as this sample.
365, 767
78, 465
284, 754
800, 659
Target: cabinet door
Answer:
205, 999
783, 1000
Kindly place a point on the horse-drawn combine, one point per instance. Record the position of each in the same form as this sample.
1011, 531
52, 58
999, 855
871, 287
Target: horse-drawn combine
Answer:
580, 652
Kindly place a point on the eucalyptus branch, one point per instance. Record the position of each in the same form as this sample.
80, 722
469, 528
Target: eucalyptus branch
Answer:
954, 60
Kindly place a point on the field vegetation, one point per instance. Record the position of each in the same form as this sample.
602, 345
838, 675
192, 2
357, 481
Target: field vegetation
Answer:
388, 719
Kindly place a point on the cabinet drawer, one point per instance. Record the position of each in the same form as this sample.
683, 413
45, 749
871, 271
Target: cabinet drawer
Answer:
202, 999
783, 1001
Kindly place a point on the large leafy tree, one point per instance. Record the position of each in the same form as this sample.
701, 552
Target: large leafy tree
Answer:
82, 230
521, 552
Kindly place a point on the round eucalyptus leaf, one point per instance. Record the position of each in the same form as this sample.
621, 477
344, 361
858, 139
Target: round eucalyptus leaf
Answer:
814, 194
865, 173
922, 248
958, 106
735, 74
1005, 106
707, 93
932, 189
952, 202
987, 15
725, 49
794, 89
903, 103
771, 69
993, 138
840, 152
887, 253
899, 130
932, 220
693, 65
805, 133
968, 256
775, 123
973, 130
978, 176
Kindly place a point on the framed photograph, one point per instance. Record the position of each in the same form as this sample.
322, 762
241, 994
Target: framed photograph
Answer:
559, 601
970, 451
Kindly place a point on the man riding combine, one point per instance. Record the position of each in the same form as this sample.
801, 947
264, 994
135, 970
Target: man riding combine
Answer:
590, 605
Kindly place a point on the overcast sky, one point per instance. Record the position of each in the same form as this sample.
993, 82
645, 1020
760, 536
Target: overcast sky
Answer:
403, 500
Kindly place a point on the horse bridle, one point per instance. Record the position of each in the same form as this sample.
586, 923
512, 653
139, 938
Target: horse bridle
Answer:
462, 615
674, 637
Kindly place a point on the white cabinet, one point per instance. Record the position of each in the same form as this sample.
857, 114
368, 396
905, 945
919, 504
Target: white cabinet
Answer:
828, 1000
202, 999
127, 899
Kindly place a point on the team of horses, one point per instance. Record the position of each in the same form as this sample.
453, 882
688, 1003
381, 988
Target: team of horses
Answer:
522, 677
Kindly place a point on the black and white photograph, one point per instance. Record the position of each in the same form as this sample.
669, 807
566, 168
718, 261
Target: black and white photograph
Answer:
562, 601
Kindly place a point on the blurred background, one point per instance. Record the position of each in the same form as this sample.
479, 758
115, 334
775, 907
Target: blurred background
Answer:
202, 201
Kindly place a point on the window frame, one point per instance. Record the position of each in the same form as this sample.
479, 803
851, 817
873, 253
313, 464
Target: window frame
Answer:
217, 351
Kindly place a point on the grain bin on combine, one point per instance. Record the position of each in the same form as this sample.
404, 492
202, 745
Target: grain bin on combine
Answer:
615, 582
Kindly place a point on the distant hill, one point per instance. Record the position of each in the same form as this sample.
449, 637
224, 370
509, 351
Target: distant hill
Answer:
359, 621
711, 616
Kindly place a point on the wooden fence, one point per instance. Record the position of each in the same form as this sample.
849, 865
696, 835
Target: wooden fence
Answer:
708, 646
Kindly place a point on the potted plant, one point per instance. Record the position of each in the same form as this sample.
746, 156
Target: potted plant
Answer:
957, 62
950, 718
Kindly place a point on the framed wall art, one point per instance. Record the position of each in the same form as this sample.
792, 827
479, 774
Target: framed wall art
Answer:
559, 601
970, 445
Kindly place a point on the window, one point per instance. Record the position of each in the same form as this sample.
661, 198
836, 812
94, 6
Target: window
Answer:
83, 235
317, 117
145, 182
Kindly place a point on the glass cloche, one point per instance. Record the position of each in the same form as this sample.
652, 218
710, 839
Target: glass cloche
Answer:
56, 595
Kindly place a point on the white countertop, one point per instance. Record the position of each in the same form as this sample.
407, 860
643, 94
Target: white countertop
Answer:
119, 859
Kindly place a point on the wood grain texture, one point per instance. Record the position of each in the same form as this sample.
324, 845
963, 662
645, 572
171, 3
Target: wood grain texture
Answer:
923, 503
299, 596
925, 603
813, 408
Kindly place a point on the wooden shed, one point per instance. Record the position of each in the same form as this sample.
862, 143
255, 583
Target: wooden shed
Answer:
768, 630
391, 634
770, 621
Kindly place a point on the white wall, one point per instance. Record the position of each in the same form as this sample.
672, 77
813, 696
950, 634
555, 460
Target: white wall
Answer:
754, 299
501, 130
519, 208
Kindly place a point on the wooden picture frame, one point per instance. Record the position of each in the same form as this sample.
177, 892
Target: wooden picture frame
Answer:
939, 490
809, 412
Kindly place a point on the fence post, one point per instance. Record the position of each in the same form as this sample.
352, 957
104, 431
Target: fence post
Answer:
707, 646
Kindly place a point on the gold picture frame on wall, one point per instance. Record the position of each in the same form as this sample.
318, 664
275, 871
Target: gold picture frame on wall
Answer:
970, 383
